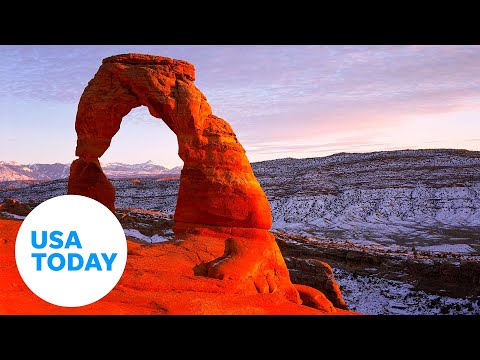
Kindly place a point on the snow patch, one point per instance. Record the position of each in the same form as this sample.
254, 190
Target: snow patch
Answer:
13, 216
456, 248
377, 296
150, 239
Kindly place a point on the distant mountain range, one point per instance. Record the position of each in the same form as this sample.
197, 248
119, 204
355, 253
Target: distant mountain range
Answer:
12, 171
418, 198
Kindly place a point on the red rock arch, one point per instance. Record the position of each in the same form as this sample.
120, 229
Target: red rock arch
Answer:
222, 214
217, 184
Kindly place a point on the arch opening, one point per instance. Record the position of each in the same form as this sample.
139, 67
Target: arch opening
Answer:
142, 138
145, 175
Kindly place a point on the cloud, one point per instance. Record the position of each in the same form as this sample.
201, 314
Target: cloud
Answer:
263, 150
58, 73
281, 92
285, 95
265, 76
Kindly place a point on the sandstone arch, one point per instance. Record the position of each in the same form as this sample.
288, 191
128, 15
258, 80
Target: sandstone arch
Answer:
217, 185
222, 214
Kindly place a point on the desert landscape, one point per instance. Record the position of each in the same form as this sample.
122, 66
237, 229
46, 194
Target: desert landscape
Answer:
391, 232
372, 256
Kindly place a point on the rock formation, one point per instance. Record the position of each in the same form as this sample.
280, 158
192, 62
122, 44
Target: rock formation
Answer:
217, 183
166, 278
316, 274
15, 207
220, 202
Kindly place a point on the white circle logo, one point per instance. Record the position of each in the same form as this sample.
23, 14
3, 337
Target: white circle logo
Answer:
71, 250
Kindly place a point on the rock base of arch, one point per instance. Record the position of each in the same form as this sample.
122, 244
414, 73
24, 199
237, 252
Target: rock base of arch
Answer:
165, 278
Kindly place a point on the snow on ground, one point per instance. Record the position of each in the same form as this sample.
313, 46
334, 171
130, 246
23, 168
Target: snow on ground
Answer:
456, 248
377, 296
410, 198
150, 239
13, 216
422, 197
360, 214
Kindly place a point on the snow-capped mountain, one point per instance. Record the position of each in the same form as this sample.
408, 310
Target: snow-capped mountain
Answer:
146, 169
12, 171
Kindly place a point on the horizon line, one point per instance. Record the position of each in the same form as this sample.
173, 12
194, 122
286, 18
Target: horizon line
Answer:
252, 162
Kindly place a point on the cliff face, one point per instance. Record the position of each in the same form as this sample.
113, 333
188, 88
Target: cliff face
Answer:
408, 197
453, 275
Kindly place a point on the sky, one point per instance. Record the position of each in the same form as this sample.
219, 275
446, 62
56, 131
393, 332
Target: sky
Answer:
282, 101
